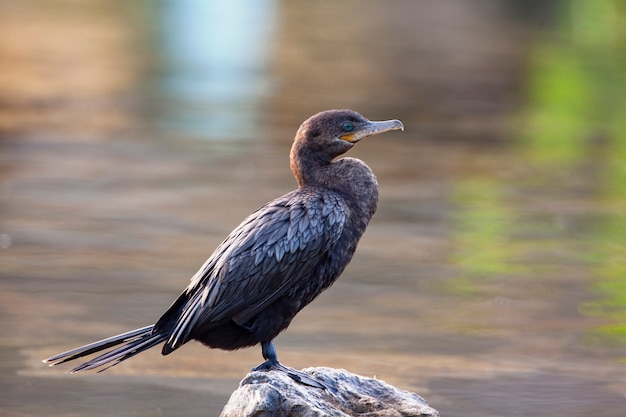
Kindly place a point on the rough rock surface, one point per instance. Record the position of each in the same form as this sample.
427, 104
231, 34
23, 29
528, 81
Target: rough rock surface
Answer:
264, 394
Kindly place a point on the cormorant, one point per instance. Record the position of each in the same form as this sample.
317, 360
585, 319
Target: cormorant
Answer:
276, 261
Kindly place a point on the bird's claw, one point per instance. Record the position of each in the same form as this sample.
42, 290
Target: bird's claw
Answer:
297, 376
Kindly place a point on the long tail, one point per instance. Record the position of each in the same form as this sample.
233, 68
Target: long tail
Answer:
133, 342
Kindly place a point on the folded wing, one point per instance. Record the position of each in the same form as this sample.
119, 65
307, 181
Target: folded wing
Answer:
266, 255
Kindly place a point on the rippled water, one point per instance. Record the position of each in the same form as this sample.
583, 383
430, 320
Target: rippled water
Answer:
491, 280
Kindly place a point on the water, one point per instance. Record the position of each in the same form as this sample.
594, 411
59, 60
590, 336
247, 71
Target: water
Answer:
490, 280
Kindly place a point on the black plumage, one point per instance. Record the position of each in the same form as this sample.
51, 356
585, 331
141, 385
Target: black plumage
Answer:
276, 261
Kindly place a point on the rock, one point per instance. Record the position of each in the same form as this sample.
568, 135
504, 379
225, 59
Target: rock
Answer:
265, 394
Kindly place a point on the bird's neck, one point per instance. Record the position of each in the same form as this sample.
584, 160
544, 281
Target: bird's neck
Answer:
350, 177
309, 173
308, 167
347, 176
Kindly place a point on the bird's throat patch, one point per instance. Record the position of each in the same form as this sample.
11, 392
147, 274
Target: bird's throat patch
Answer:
349, 137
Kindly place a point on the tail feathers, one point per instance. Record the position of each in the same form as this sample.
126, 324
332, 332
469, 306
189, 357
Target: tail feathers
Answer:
133, 342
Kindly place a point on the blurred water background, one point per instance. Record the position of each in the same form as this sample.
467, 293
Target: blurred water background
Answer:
136, 135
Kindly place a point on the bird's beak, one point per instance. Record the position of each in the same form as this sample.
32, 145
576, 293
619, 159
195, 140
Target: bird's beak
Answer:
372, 128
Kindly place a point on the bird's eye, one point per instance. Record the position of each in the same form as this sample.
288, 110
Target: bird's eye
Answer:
347, 127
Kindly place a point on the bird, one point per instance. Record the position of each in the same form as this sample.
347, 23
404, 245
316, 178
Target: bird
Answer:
275, 262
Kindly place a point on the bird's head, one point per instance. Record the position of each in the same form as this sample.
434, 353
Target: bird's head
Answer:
334, 132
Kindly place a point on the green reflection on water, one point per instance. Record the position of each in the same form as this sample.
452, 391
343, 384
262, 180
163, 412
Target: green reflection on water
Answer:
572, 141
576, 82
598, 37
555, 123
609, 249
482, 248
577, 94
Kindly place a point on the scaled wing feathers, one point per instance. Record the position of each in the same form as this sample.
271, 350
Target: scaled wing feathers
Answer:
258, 262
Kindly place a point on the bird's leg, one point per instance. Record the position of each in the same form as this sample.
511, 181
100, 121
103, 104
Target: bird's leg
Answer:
272, 364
